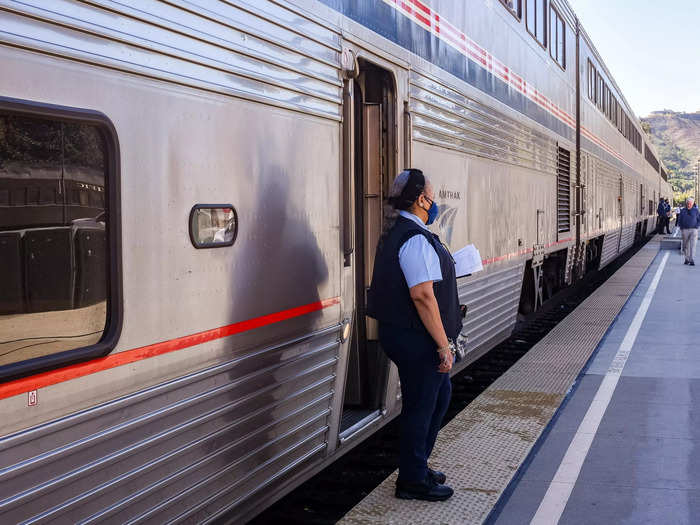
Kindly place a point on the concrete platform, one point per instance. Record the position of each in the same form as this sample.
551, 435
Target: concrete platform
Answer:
485, 449
624, 446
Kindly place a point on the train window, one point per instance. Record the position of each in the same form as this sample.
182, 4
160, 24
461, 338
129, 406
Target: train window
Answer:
606, 99
557, 37
536, 20
599, 91
213, 225
514, 6
54, 232
591, 81
620, 115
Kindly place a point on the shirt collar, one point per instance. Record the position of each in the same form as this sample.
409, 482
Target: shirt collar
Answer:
408, 215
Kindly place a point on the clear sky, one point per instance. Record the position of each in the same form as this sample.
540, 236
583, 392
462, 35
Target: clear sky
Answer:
651, 47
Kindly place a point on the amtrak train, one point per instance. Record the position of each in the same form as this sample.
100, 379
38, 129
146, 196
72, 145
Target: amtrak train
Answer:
191, 194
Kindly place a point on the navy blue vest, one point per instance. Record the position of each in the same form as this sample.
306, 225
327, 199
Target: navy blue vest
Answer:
389, 300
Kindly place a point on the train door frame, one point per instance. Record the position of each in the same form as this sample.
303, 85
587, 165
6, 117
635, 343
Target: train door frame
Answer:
364, 65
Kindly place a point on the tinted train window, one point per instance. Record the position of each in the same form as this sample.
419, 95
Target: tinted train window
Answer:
557, 38
536, 20
53, 236
514, 6
591, 81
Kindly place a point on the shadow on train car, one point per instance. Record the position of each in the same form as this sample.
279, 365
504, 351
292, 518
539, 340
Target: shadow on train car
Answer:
284, 267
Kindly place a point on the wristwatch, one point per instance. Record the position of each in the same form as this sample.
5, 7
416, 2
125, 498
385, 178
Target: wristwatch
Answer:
450, 346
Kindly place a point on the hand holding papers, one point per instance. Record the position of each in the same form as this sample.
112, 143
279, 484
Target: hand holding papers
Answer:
467, 261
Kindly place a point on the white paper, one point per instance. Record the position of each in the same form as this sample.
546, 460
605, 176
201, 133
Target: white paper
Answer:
467, 261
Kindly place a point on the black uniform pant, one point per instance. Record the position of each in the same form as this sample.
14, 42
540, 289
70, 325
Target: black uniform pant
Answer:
425, 396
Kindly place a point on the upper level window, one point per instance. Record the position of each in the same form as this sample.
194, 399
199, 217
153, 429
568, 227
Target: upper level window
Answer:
599, 91
514, 6
54, 231
557, 37
536, 20
591, 81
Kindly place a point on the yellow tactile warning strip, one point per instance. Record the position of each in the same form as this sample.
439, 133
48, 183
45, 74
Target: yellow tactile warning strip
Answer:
484, 445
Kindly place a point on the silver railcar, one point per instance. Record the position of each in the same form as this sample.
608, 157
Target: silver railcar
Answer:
190, 198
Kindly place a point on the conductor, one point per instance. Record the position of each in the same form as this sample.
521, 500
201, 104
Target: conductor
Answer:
413, 296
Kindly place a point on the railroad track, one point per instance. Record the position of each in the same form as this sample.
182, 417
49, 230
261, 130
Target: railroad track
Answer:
329, 495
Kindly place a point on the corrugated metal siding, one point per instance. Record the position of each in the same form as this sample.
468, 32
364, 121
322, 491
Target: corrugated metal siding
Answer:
610, 247
493, 303
184, 449
267, 53
444, 117
627, 236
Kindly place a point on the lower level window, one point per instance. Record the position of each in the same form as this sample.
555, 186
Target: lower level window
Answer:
53, 236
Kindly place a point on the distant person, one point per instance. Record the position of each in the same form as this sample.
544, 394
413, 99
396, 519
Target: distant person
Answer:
660, 215
689, 222
667, 218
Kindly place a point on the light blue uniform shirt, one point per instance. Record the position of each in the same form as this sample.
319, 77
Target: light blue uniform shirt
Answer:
418, 259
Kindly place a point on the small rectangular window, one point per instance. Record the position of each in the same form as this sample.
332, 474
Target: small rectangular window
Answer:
213, 225
557, 38
599, 91
561, 42
536, 20
514, 6
606, 100
58, 299
591, 81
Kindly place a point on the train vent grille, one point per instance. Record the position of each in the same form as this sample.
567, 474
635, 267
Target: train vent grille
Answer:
563, 190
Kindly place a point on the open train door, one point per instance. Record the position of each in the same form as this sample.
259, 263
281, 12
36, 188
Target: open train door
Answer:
373, 153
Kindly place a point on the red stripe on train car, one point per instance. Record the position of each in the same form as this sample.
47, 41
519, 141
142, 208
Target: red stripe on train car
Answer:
52, 377
451, 34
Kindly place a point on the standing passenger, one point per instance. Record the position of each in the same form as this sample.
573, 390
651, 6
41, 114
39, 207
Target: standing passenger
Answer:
667, 218
660, 215
414, 297
689, 222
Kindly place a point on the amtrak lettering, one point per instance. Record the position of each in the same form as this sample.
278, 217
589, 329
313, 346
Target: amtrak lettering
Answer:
449, 194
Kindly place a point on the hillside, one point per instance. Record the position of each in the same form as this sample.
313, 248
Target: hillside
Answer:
676, 136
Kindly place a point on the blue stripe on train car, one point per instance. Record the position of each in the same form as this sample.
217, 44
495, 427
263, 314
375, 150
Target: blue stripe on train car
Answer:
389, 23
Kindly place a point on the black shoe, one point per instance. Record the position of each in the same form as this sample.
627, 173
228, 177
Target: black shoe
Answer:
692, 263
437, 476
426, 490
686, 261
